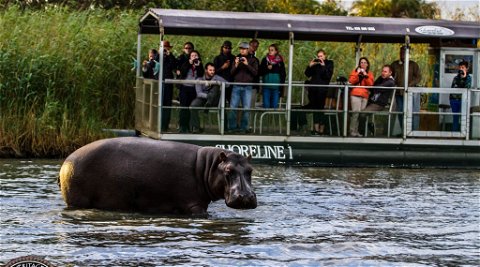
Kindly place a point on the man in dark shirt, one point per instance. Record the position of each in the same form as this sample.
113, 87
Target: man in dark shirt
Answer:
223, 65
244, 70
379, 97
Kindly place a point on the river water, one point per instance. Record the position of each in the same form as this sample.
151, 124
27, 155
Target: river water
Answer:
305, 217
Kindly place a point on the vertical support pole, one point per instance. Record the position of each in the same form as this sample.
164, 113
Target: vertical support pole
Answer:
358, 49
345, 110
139, 87
466, 96
139, 51
290, 75
160, 79
406, 103
222, 109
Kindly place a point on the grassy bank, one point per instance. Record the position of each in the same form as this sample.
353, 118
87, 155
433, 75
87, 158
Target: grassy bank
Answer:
63, 77
66, 75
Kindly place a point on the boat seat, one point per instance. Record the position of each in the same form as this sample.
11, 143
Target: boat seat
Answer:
333, 112
280, 111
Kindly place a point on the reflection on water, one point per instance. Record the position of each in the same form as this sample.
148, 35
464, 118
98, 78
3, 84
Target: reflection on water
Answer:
305, 217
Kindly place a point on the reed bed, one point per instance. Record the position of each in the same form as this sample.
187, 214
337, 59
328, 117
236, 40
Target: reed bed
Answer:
66, 75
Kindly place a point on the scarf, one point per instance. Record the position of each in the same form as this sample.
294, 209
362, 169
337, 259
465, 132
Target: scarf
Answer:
274, 59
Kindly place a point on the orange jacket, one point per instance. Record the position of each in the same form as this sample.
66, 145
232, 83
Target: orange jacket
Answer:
367, 81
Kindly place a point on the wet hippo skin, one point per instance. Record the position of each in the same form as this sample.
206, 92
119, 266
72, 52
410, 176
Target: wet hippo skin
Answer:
145, 175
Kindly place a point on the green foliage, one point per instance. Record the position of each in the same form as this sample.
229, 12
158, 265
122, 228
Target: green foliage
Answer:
64, 76
396, 9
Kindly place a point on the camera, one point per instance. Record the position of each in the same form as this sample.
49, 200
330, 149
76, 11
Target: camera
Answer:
461, 72
316, 60
195, 61
242, 59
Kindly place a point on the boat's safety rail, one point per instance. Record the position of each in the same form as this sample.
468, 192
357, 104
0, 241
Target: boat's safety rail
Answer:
426, 112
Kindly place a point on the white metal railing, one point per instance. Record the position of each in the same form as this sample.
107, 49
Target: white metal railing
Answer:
152, 102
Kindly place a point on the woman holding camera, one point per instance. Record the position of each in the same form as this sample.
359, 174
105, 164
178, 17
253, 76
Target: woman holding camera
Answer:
190, 70
360, 76
319, 71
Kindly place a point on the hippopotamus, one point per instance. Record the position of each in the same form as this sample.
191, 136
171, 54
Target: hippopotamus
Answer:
145, 175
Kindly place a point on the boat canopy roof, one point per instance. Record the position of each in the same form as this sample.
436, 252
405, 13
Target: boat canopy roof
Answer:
307, 27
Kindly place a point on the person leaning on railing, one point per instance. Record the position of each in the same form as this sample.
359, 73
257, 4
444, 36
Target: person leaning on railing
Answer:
461, 80
379, 96
360, 76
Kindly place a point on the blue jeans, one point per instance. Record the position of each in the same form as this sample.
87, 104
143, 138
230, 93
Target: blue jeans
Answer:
271, 94
244, 94
399, 107
456, 105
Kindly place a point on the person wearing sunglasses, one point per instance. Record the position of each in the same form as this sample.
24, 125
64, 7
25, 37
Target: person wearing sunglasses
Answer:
223, 64
188, 47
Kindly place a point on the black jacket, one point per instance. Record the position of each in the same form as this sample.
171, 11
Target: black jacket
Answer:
169, 65
381, 96
219, 61
319, 74
199, 71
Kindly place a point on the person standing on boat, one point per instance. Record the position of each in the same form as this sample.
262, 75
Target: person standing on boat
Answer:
414, 78
319, 71
169, 65
188, 47
223, 66
272, 70
360, 76
148, 66
244, 70
252, 52
379, 96
190, 70
208, 95
462, 80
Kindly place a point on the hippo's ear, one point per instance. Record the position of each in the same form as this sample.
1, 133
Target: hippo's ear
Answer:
223, 156
249, 158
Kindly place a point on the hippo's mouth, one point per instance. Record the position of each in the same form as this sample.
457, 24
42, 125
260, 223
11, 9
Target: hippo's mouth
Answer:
241, 201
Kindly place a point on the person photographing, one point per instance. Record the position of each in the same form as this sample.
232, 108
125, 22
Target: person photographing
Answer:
461, 80
360, 76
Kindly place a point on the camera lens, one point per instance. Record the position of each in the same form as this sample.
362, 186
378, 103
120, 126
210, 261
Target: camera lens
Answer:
195, 61
242, 59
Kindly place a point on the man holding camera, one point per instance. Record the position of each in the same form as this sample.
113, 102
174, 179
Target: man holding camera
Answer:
462, 80
244, 70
